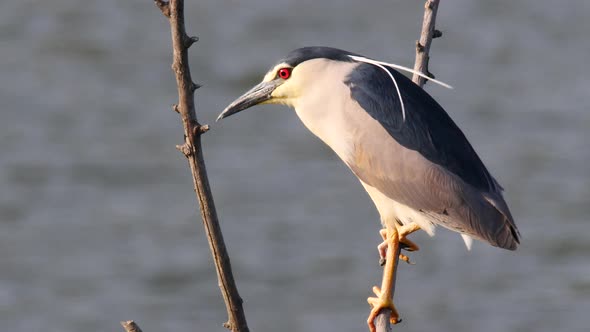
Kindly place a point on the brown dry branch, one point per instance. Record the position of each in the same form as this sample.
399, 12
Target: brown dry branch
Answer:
423, 45
130, 326
382, 323
191, 148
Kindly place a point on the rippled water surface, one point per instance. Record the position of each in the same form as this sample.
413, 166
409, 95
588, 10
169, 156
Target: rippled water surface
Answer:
97, 212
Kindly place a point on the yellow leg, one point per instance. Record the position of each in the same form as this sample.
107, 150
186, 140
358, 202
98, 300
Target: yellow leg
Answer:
393, 236
382, 247
407, 244
384, 297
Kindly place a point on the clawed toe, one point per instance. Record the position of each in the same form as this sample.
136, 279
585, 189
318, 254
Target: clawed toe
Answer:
378, 303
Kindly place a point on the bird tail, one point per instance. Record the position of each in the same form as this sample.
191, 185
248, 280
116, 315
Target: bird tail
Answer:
496, 224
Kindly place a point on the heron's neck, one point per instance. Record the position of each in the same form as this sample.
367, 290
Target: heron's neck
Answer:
326, 117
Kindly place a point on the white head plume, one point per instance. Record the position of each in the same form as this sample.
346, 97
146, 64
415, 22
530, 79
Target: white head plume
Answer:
382, 65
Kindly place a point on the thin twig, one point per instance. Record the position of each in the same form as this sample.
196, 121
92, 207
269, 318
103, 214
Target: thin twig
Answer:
423, 45
191, 148
382, 323
130, 326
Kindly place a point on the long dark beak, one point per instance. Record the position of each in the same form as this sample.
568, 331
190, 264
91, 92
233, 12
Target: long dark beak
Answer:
258, 94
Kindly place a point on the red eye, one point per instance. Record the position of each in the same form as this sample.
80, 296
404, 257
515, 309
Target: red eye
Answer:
284, 73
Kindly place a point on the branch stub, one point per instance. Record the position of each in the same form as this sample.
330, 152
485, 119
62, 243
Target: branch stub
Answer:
200, 130
130, 326
419, 47
164, 7
188, 41
195, 86
185, 149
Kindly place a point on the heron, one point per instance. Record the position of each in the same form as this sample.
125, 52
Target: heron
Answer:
415, 163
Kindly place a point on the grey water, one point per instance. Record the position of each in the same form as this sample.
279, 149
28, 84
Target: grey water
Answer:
98, 219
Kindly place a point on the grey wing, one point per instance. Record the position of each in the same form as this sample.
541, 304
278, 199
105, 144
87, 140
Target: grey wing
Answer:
424, 161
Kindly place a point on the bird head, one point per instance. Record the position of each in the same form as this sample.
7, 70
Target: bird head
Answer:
278, 87
304, 69
286, 81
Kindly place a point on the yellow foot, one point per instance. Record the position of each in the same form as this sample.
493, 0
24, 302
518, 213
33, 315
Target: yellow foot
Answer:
378, 303
406, 244
406, 259
404, 231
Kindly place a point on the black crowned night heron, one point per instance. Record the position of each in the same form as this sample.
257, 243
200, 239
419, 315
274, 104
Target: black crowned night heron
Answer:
412, 159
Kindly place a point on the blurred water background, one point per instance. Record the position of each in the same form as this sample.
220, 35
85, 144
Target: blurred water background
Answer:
97, 213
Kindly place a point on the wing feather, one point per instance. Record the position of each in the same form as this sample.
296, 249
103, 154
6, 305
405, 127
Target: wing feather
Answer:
428, 164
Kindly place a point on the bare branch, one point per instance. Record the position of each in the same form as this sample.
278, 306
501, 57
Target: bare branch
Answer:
382, 323
423, 45
174, 10
130, 326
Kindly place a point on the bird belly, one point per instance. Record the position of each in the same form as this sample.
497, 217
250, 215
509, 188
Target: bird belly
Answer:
392, 212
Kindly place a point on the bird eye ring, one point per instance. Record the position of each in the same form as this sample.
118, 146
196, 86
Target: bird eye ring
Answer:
284, 73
